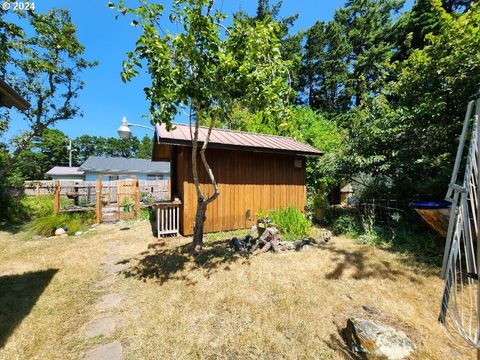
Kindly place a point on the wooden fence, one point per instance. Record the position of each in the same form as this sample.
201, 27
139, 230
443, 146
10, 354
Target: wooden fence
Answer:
117, 200
150, 190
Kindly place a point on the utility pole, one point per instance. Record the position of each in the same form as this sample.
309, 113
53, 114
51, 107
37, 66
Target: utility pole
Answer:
70, 150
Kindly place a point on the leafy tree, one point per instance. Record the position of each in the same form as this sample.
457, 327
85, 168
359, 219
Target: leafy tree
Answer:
409, 136
145, 148
291, 46
44, 152
367, 25
44, 67
325, 78
205, 66
412, 27
87, 145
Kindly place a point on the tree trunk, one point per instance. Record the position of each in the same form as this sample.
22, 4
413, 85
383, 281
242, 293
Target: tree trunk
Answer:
200, 217
202, 202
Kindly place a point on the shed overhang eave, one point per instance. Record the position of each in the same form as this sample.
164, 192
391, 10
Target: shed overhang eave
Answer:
212, 145
9, 97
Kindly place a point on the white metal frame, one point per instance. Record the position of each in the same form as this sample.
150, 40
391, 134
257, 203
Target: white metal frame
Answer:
168, 220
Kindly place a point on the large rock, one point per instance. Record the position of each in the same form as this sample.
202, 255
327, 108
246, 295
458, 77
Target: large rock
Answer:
60, 231
377, 341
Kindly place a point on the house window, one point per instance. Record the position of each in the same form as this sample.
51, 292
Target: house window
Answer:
113, 177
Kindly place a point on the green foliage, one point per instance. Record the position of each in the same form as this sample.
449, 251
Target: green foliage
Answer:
291, 222
144, 214
46, 225
24, 208
347, 224
305, 125
202, 68
408, 234
44, 59
409, 135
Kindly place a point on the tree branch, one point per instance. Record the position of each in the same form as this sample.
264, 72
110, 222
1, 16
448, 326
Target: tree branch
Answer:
205, 163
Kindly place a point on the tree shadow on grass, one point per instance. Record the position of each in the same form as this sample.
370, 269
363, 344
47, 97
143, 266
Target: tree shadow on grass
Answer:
13, 228
357, 260
18, 295
163, 264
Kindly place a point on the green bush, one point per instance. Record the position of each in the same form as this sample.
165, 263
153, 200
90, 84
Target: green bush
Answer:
24, 208
347, 224
291, 222
408, 235
46, 225
144, 213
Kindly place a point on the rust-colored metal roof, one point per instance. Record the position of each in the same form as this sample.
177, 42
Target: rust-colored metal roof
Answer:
224, 138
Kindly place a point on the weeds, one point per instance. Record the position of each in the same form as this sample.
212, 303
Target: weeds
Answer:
46, 225
406, 234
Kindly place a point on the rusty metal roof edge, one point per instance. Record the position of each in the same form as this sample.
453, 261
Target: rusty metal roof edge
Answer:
247, 148
307, 148
17, 100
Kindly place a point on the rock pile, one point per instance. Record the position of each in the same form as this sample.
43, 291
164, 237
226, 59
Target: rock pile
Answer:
271, 240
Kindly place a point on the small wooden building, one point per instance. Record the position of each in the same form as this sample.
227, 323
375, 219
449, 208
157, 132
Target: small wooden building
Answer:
254, 172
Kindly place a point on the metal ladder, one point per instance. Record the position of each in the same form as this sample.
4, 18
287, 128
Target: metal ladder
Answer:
460, 307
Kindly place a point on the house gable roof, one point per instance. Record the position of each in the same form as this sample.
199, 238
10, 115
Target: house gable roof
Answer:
230, 139
114, 165
64, 171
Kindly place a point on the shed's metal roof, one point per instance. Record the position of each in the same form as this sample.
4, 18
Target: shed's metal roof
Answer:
65, 171
224, 138
114, 165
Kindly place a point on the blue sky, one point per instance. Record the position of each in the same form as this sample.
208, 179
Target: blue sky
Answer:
106, 98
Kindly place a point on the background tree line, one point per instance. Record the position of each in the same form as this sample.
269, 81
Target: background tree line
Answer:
388, 87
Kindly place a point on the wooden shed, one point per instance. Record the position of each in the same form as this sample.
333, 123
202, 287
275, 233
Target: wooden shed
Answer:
254, 172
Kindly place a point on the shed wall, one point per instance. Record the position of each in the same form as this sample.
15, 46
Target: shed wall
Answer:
248, 183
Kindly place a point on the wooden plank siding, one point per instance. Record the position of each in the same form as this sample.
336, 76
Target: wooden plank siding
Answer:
248, 182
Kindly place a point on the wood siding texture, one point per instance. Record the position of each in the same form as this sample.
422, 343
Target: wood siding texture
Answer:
248, 183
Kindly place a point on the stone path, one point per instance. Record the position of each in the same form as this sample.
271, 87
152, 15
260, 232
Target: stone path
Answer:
105, 326
101, 327
110, 351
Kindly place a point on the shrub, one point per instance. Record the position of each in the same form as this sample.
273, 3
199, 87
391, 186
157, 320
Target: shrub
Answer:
19, 209
46, 225
291, 222
144, 213
347, 224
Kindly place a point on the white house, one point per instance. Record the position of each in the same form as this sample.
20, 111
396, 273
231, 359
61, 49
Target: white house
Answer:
116, 168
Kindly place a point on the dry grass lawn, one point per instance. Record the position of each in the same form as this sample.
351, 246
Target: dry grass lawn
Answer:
213, 306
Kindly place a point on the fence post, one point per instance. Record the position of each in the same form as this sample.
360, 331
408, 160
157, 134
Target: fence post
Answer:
137, 197
169, 189
98, 204
56, 197
37, 189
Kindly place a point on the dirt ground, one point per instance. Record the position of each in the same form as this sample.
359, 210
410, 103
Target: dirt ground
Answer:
171, 305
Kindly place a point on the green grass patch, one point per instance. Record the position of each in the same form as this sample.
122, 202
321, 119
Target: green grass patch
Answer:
46, 225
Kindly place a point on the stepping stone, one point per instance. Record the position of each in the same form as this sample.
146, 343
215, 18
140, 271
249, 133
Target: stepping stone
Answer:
105, 282
111, 259
113, 268
109, 301
101, 327
110, 351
